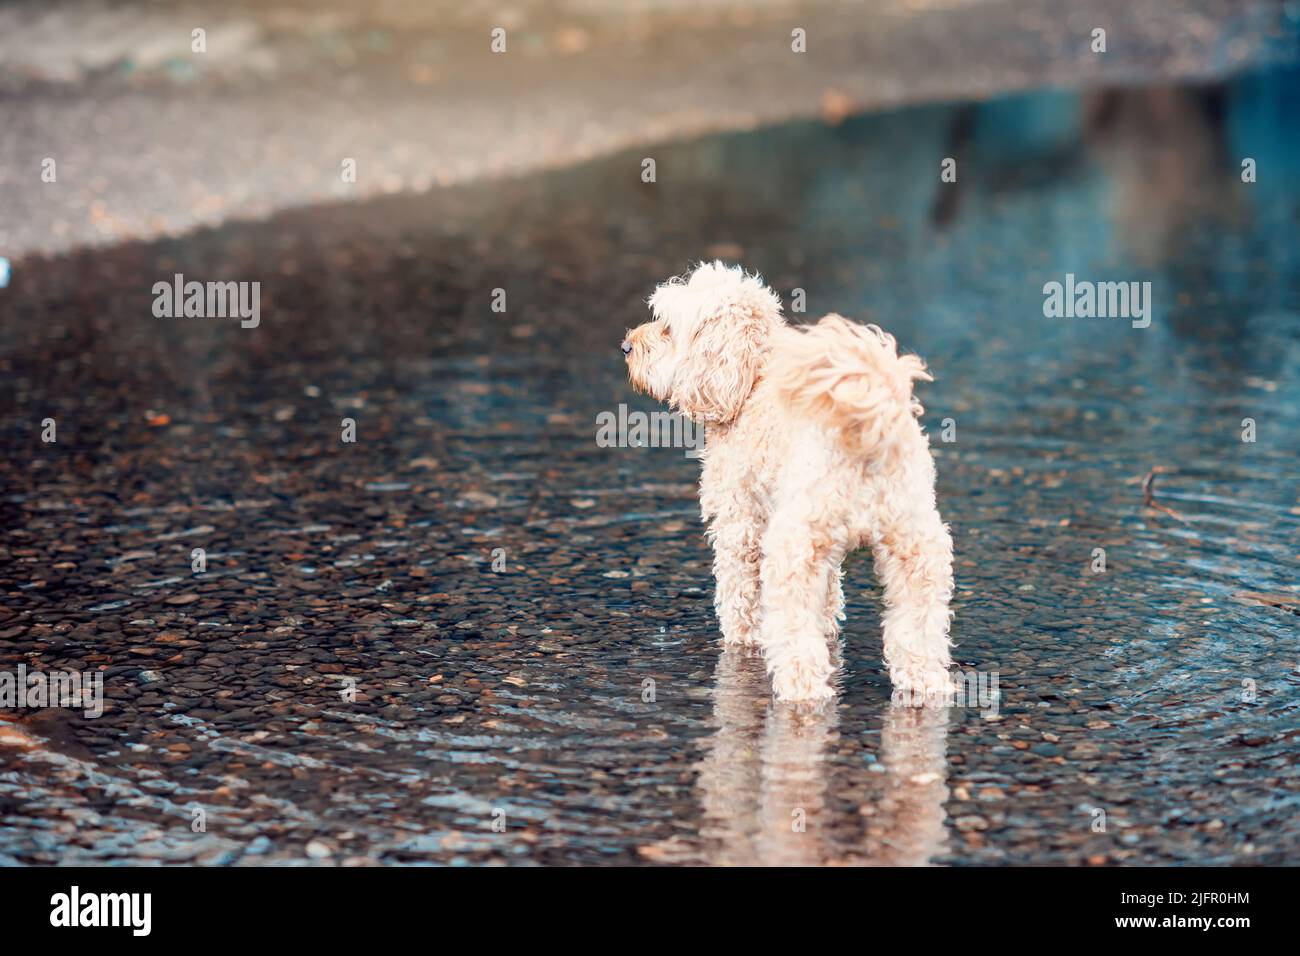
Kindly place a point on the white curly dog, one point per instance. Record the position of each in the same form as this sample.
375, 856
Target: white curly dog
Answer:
812, 449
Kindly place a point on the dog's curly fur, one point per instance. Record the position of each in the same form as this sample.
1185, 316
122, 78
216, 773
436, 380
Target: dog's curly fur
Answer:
813, 449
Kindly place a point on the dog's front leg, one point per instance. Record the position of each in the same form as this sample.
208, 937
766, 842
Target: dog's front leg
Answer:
913, 558
735, 538
834, 601
797, 611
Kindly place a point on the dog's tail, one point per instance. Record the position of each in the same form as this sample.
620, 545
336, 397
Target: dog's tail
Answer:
851, 377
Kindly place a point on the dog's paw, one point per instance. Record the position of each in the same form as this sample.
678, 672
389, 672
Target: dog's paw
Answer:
797, 681
931, 687
745, 640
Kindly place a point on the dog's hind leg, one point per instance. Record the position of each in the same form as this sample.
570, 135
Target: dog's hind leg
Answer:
913, 557
797, 611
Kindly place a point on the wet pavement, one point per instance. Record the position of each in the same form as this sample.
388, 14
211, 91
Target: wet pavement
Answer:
352, 680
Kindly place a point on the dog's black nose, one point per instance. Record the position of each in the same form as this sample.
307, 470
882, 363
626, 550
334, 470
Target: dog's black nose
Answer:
626, 347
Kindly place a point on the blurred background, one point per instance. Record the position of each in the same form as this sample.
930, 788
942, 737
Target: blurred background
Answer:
153, 138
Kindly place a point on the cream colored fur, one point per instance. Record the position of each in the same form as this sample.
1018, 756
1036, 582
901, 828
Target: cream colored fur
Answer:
813, 449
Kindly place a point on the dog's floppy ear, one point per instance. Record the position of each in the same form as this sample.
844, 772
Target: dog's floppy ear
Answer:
721, 321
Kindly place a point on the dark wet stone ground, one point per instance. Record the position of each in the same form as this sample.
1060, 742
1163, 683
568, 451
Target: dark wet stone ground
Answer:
1162, 692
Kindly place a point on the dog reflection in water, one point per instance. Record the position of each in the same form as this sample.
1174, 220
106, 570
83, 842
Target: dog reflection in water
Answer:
771, 797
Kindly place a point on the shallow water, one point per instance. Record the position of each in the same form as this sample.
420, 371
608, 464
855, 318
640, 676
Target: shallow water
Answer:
1161, 692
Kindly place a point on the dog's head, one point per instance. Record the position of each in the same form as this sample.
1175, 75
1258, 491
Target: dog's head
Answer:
705, 346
